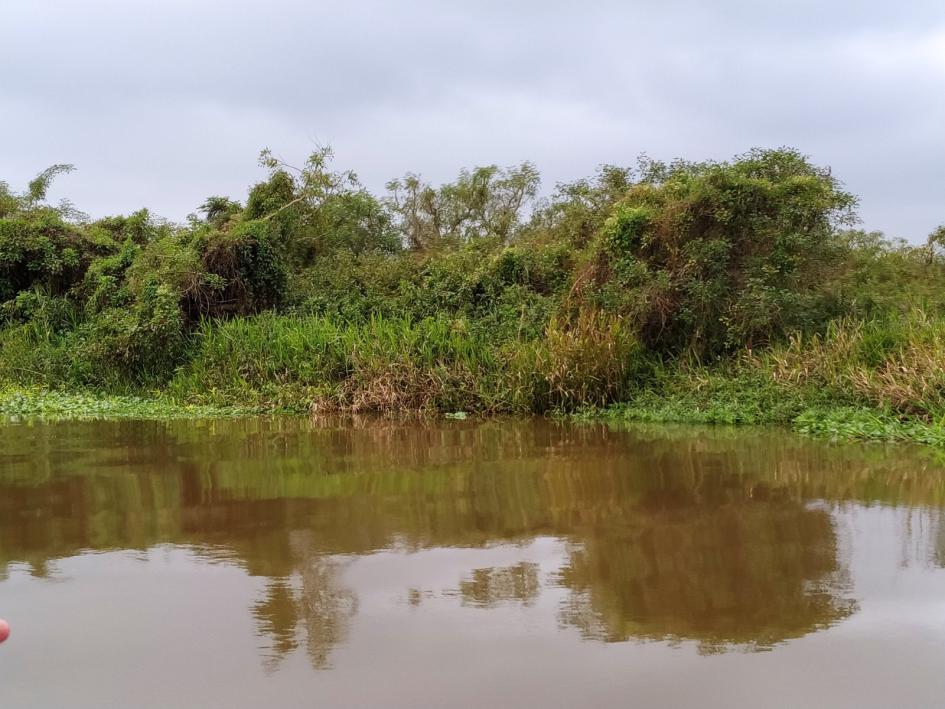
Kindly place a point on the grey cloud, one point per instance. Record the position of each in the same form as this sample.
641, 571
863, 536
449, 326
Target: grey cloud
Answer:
163, 103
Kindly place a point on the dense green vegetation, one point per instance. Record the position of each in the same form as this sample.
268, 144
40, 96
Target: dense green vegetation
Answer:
735, 292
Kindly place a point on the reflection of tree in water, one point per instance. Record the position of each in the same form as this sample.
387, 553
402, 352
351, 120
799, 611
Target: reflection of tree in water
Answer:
938, 553
487, 587
677, 533
922, 538
312, 603
750, 574
277, 617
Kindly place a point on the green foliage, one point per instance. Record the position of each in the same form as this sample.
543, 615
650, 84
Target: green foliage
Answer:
218, 211
883, 278
33, 354
935, 245
867, 425
712, 257
745, 396
38, 187
728, 292
389, 365
589, 361
40, 246
352, 286
316, 211
578, 210
298, 362
141, 345
894, 364
40, 249
248, 261
269, 198
42, 312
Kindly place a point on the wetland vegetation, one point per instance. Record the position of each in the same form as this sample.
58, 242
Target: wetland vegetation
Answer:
713, 292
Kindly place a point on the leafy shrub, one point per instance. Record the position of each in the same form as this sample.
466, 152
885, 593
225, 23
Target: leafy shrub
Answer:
711, 257
40, 250
140, 346
884, 278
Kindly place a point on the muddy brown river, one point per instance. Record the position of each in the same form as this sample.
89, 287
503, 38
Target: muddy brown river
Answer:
289, 563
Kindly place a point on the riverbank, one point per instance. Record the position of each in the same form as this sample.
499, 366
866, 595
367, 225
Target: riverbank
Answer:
823, 421
732, 293
816, 388
845, 423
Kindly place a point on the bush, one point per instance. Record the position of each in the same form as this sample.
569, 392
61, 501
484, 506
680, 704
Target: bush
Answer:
40, 250
712, 257
138, 347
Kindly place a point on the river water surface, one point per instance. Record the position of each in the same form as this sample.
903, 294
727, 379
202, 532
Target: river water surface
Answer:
285, 563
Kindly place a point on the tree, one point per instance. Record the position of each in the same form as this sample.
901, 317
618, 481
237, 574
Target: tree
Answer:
217, 211
317, 210
41, 246
936, 243
577, 210
483, 202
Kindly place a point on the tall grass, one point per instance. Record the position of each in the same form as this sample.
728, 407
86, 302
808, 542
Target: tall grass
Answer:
587, 361
34, 355
383, 364
895, 364
880, 379
319, 362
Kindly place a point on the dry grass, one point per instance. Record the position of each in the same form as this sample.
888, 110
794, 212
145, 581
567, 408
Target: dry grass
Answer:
897, 365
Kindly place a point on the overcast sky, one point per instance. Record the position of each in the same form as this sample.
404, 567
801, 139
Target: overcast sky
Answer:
162, 103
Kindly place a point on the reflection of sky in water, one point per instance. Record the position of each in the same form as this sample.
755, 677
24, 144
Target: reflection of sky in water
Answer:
130, 623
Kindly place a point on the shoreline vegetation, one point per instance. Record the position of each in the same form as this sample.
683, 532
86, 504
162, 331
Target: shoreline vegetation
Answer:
734, 292
833, 422
17, 403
